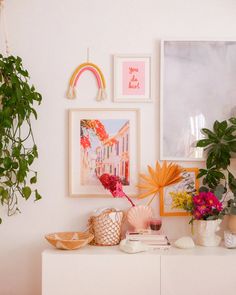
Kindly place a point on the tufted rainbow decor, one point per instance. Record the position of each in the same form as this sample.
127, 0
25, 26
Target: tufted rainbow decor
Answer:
71, 93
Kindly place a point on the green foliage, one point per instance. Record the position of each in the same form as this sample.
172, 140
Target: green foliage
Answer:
220, 145
17, 146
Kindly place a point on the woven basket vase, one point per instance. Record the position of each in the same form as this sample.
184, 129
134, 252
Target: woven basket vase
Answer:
106, 227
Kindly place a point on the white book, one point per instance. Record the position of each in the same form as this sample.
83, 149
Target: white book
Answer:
145, 236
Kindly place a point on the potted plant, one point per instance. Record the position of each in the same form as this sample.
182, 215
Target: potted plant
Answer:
17, 146
220, 146
206, 212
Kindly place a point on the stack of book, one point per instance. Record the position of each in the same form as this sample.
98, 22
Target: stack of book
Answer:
150, 238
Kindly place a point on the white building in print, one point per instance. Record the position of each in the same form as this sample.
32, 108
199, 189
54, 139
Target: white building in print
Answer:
113, 155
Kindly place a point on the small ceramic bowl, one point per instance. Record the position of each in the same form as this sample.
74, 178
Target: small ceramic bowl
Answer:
69, 240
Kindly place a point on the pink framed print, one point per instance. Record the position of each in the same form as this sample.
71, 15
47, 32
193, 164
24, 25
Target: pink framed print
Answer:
132, 78
103, 141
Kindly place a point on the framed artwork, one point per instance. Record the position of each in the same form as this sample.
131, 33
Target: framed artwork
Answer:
132, 78
197, 87
103, 141
190, 183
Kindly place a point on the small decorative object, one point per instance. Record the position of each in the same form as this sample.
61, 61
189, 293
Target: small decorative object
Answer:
206, 232
132, 247
155, 224
132, 78
103, 141
189, 184
229, 240
184, 243
193, 97
139, 217
18, 149
206, 212
167, 174
88, 66
69, 240
105, 225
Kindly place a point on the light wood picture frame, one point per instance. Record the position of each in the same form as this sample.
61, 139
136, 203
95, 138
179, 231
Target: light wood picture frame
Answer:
103, 141
197, 77
132, 78
189, 183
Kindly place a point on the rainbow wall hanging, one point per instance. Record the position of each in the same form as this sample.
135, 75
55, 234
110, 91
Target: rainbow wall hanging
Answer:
87, 66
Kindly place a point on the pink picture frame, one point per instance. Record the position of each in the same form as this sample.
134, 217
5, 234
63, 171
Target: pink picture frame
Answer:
132, 78
103, 141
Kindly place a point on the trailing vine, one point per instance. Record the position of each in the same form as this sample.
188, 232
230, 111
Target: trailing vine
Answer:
17, 145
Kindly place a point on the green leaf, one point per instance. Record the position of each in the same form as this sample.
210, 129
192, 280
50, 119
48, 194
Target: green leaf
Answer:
210, 134
204, 142
216, 126
26, 192
33, 180
7, 163
203, 189
30, 159
219, 191
201, 173
37, 196
210, 160
15, 165
232, 146
233, 120
35, 151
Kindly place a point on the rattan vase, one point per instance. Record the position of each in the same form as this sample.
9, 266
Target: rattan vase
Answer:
106, 227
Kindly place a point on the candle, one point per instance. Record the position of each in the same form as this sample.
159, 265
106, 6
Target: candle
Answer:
155, 224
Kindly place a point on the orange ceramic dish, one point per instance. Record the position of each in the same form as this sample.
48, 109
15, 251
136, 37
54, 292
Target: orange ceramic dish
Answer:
69, 240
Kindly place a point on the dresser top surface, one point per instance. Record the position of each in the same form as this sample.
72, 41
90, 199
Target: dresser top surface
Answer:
114, 250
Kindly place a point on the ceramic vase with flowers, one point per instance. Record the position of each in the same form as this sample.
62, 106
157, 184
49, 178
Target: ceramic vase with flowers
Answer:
206, 212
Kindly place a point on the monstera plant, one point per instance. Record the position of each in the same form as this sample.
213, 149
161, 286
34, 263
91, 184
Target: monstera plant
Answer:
220, 147
17, 146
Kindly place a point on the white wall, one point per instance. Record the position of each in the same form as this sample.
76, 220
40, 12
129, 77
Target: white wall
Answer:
52, 37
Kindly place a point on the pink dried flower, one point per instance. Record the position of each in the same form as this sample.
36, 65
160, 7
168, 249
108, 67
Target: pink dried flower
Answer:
114, 185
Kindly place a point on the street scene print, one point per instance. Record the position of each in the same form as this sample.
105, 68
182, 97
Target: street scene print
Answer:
104, 148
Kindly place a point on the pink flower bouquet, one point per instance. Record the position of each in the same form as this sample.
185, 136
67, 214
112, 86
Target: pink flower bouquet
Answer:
202, 206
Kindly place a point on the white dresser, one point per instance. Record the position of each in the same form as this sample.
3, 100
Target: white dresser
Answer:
107, 271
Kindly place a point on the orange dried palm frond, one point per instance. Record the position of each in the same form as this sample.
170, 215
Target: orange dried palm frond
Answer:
158, 178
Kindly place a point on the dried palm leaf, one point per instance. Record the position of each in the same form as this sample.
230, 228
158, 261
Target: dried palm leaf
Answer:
158, 178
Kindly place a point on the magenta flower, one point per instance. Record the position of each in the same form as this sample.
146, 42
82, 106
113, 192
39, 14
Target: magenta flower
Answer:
197, 215
114, 185
219, 207
206, 204
203, 209
198, 199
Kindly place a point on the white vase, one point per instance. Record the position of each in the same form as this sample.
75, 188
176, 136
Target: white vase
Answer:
205, 231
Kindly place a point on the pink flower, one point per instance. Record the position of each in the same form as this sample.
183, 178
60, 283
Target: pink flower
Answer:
203, 209
114, 185
198, 199
118, 192
197, 215
206, 204
219, 207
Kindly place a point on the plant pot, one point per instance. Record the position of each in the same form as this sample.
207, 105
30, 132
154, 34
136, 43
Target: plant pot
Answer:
205, 231
232, 223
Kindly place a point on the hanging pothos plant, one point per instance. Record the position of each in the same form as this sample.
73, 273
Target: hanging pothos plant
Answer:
17, 146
